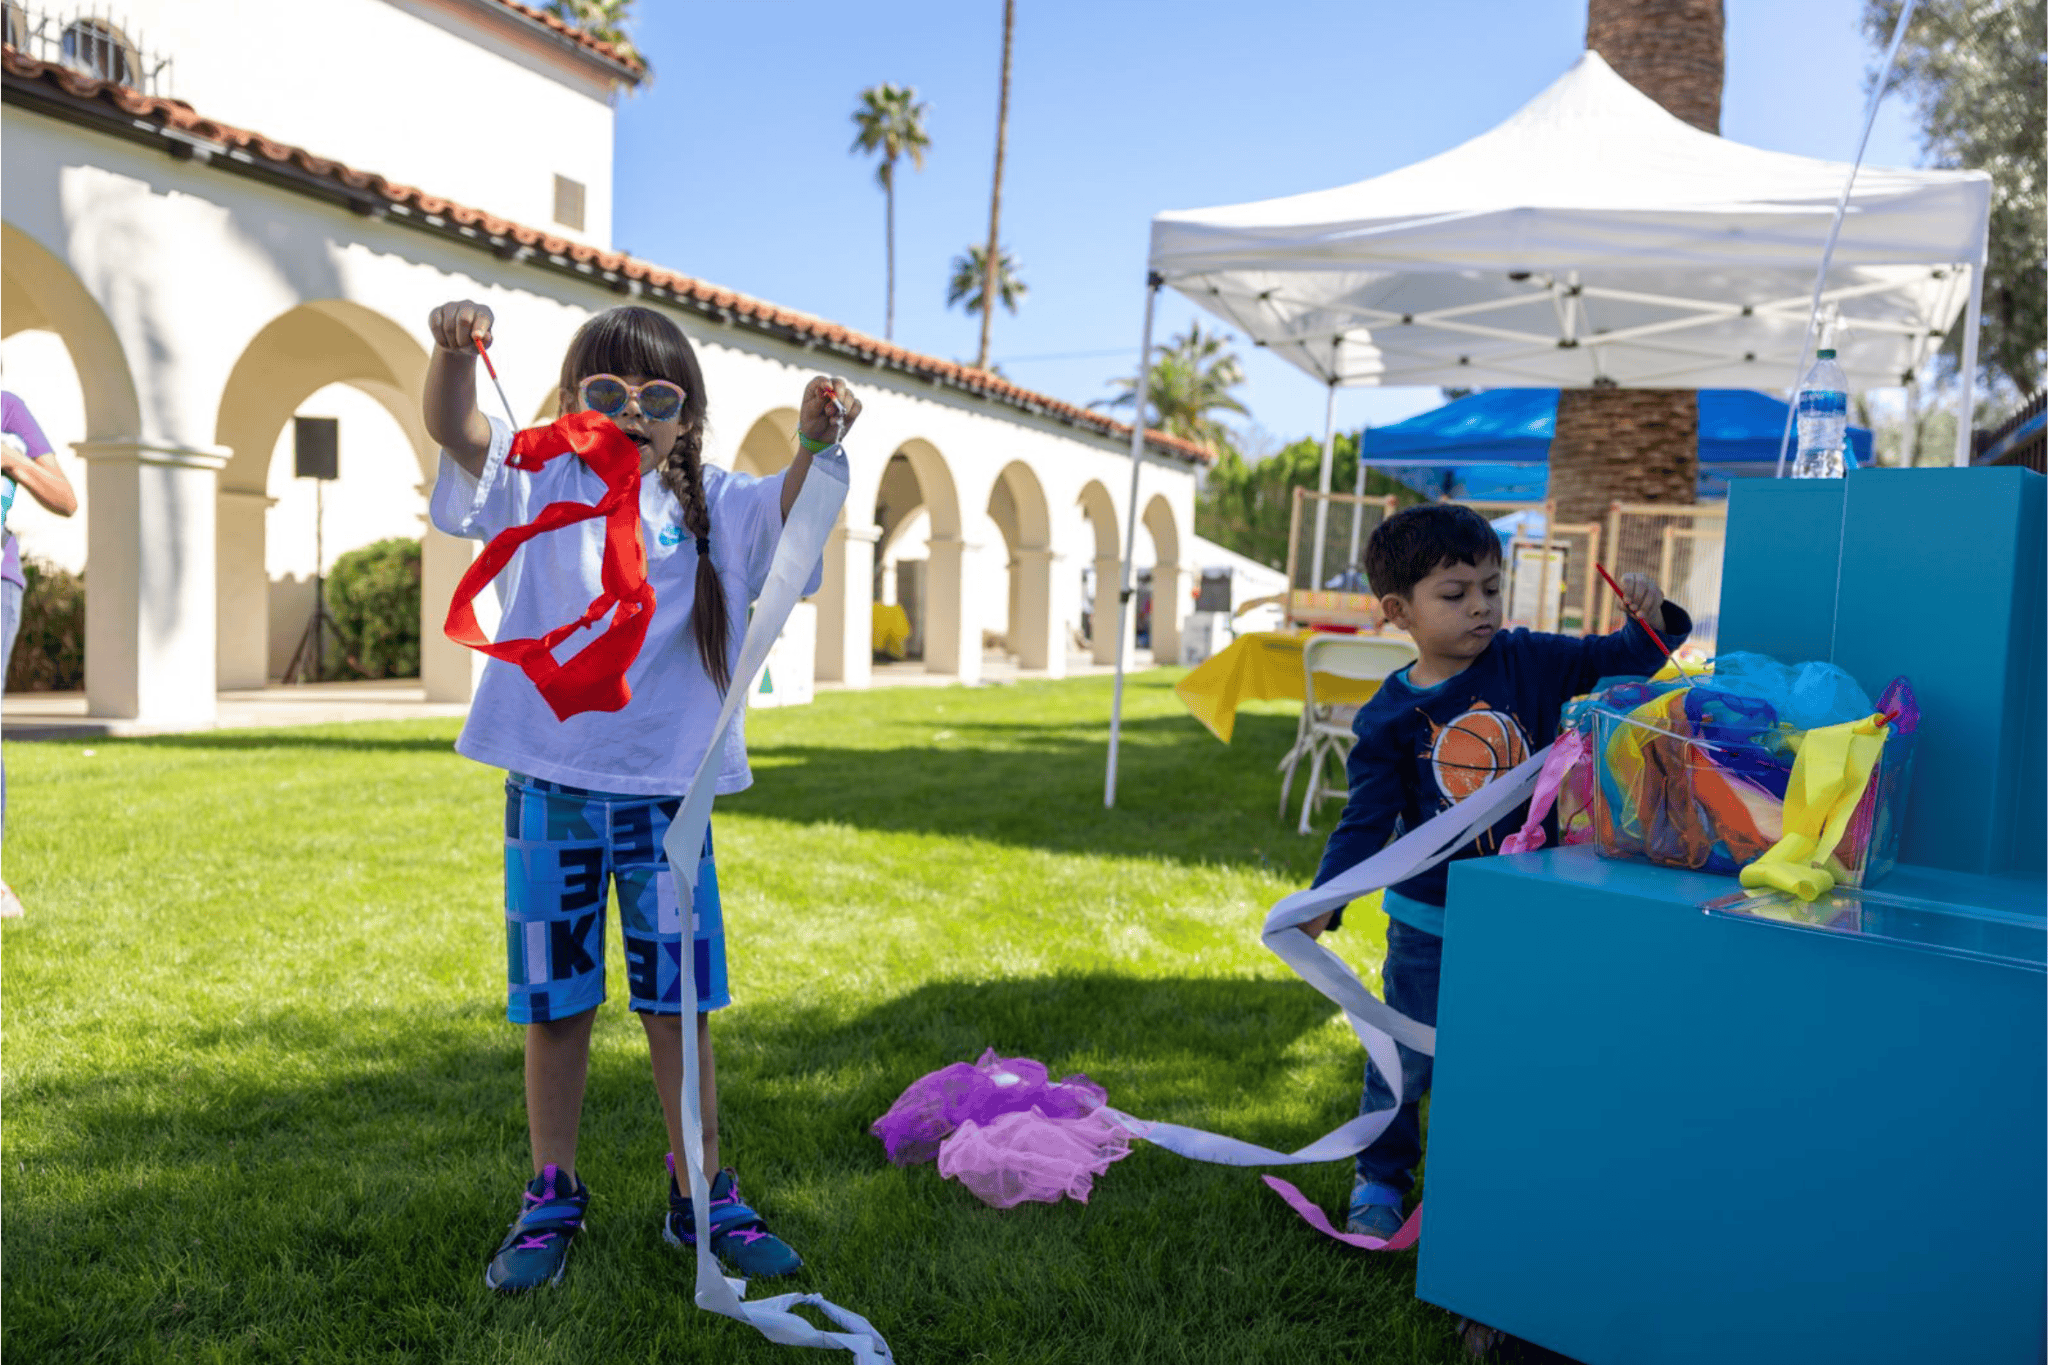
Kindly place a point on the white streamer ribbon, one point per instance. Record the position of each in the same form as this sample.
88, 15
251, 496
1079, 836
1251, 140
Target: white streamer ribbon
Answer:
804, 533
1377, 1025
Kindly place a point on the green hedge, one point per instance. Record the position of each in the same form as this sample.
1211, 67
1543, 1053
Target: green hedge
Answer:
49, 653
373, 594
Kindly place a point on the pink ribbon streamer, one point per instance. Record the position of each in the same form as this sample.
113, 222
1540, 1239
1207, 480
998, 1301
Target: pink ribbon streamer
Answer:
1569, 749
1320, 1221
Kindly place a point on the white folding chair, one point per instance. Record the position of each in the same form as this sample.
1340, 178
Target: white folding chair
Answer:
1323, 739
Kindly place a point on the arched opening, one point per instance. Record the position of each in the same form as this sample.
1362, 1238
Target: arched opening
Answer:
922, 561
792, 670
769, 444
38, 292
1165, 595
1031, 620
276, 531
1102, 575
61, 357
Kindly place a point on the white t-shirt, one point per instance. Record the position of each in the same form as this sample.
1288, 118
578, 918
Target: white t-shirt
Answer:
653, 745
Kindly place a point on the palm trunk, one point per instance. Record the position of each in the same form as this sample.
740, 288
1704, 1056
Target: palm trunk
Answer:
1641, 445
889, 322
993, 266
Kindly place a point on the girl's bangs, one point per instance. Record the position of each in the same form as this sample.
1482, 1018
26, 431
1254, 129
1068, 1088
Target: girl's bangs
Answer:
631, 340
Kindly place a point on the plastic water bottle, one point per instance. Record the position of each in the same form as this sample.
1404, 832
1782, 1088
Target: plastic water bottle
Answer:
1823, 416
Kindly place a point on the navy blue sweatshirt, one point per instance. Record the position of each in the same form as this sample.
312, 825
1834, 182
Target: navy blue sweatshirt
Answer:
1421, 750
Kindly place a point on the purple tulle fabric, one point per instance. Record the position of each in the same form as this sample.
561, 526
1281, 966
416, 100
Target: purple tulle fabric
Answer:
1005, 1130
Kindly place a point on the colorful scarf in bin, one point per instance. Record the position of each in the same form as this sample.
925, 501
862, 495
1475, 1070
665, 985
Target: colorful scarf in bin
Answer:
1760, 771
594, 678
1829, 778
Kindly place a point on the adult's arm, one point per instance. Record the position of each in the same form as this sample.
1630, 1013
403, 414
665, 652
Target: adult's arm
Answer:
43, 478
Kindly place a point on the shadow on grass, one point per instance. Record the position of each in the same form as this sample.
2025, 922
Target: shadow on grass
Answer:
1180, 794
348, 740
378, 1085
279, 1182
1157, 1045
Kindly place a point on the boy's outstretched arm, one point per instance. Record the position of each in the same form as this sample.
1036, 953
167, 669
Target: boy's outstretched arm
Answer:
1370, 813
1629, 651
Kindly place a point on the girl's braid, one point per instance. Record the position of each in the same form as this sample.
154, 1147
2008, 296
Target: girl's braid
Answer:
682, 473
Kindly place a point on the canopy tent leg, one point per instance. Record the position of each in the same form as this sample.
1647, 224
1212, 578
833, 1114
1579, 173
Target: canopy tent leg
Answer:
1966, 418
1153, 280
1358, 508
1315, 564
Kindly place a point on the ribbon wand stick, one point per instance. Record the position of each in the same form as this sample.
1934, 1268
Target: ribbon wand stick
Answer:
485, 356
1608, 579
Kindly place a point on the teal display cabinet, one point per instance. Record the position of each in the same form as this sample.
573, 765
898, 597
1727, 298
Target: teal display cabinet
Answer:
1668, 1133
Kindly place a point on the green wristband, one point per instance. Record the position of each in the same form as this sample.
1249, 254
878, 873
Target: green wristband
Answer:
811, 447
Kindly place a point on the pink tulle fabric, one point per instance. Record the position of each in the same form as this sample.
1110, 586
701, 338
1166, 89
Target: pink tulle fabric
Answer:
1005, 1130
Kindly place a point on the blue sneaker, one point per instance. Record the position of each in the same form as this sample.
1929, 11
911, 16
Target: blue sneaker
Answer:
536, 1248
1375, 1210
738, 1236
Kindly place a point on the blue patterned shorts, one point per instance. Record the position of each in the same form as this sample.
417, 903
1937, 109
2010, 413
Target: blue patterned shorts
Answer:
562, 846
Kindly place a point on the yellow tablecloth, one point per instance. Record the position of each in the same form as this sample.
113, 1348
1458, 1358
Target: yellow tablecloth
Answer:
891, 629
1262, 666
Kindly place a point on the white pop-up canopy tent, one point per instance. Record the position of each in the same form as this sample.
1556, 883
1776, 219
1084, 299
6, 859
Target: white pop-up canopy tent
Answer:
1591, 239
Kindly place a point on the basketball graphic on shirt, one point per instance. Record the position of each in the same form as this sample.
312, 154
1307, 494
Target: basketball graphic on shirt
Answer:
1474, 749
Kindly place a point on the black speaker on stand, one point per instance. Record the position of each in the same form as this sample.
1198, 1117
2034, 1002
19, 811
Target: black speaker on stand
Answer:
316, 455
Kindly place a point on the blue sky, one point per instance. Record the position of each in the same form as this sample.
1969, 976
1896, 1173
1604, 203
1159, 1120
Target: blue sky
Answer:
734, 166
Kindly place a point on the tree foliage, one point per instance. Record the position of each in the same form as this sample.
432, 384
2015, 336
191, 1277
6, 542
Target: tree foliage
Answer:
1975, 72
373, 593
605, 20
49, 653
1192, 379
889, 123
970, 278
1248, 508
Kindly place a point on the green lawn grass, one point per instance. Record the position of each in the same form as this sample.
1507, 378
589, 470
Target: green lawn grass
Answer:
261, 1103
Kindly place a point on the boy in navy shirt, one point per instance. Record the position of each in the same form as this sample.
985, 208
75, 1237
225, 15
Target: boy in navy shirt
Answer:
1477, 702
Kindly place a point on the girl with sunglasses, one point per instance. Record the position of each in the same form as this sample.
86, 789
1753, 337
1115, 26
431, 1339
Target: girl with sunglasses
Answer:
588, 799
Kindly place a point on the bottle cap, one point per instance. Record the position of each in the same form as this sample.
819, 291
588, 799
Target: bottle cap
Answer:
1826, 353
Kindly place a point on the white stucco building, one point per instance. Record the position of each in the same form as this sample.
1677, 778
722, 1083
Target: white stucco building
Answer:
201, 242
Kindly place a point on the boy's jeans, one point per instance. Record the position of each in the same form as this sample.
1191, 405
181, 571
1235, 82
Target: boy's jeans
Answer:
1414, 965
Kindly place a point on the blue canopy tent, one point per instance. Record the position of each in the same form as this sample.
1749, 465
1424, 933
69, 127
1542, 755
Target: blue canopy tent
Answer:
1495, 445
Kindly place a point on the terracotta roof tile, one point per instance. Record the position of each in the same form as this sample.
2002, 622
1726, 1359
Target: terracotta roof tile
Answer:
630, 61
181, 118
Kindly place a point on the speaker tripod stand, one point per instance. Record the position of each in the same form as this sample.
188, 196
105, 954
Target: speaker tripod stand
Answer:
309, 655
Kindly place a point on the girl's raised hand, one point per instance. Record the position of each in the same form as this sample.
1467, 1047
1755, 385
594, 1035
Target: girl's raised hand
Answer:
460, 326
829, 409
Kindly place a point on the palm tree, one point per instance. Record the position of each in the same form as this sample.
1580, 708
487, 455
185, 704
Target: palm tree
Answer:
1191, 379
891, 122
1641, 445
969, 286
604, 20
994, 259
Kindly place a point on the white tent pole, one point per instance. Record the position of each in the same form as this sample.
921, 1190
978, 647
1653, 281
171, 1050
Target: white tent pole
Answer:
1966, 419
1315, 565
1358, 508
1116, 705
1827, 251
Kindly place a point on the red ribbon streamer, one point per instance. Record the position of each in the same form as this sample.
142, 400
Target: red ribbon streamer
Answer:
595, 678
